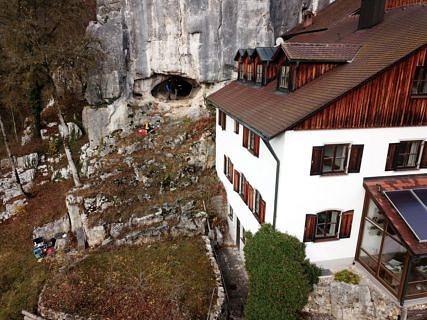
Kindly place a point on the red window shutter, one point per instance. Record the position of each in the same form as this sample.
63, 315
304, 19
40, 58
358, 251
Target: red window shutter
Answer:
262, 211
219, 117
316, 161
256, 145
230, 172
346, 222
250, 197
224, 118
310, 227
245, 192
391, 156
355, 158
423, 163
245, 137
236, 181
225, 164
236, 126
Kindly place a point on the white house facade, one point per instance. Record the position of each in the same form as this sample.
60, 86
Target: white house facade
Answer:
325, 138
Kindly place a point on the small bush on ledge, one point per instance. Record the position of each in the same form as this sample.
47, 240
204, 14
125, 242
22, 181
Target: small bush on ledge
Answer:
347, 276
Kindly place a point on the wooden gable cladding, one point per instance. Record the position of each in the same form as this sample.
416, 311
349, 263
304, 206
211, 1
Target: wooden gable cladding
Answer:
384, 101
390, 4
307, 72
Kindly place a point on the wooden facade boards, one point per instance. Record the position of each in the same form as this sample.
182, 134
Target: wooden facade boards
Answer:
384, 101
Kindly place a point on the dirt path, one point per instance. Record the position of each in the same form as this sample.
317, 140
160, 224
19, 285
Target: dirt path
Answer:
235, 278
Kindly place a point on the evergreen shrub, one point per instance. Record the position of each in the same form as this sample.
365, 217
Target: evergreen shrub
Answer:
280, 276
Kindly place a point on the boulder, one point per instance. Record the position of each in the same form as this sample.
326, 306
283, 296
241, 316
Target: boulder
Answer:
29, 161
75, 209
61, 174
95, 236
75, 133
50, 230
351, 302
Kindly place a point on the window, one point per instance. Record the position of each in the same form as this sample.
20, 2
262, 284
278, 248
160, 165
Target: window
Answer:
236, 126
259, 207
329, 224
228, 168
250, 196
419, 86
241, 71
249, 72
242, 186
284, 79
243, 238
251, 141
333, 158
230, 213
222, 119
259, 72
406, 155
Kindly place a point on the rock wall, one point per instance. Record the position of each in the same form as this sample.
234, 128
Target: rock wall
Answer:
193, 38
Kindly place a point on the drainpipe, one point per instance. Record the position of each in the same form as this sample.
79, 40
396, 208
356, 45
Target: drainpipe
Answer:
276, 188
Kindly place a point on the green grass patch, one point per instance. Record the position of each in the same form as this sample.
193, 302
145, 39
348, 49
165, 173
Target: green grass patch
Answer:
165, 280
347, 276
21, 276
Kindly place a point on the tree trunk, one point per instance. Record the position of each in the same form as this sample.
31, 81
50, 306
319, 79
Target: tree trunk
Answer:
11, 159
14, 125
70, 160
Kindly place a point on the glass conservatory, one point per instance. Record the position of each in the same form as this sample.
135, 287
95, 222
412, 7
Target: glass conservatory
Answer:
392, 242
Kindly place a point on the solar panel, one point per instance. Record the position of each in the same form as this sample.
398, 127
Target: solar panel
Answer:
412, 210
422, 195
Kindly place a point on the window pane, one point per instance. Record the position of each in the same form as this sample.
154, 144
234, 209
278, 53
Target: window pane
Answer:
417, 277
375, 214
327, 223
371, 239
392, 262
368, 261
407, 154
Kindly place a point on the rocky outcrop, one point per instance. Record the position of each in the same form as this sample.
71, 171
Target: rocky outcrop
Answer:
195, 39
351, 302
50, 230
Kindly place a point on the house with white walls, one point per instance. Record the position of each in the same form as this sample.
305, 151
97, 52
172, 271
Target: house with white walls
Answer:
331, 144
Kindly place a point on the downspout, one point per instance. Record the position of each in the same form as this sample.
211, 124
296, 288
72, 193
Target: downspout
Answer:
276, 188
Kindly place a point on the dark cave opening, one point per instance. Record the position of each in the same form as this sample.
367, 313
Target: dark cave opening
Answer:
174, 88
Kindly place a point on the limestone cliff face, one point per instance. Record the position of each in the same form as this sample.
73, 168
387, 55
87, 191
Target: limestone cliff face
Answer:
144, 40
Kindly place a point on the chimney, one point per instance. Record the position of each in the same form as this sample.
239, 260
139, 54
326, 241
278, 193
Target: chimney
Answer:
307, 18
371, 13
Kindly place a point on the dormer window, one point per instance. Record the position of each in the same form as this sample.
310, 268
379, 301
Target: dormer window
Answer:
259, 74
284, 78
419, 86
249, 77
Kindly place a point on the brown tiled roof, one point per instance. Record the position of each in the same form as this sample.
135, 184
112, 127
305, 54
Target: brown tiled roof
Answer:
324, 52
330, 15
391, 184
269, 113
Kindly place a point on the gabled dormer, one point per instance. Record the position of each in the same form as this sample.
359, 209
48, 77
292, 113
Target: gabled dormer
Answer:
300, 63
239, 63
265, 69
244, 64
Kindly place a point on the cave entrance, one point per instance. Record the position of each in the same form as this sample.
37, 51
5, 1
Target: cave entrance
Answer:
174, 88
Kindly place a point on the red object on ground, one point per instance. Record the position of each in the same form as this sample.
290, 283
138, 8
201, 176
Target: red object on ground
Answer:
50, 251
142, 132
